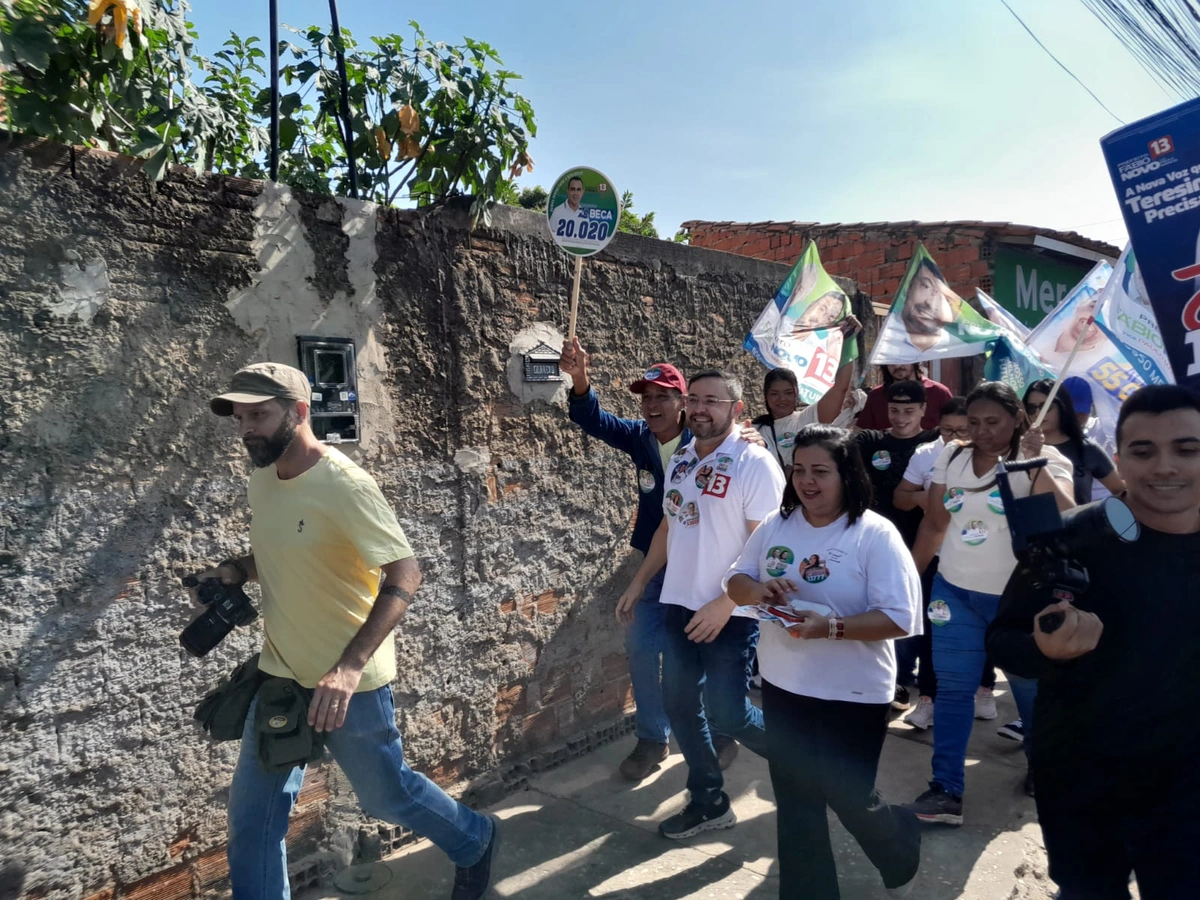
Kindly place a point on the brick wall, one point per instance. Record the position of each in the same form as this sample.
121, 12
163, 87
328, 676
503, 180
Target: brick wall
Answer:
874, 256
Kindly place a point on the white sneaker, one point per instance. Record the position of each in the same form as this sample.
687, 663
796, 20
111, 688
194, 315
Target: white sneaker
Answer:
921, 717
985, 704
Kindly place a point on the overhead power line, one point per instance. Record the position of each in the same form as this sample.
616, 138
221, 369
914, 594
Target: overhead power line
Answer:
1029, 31
1162, 35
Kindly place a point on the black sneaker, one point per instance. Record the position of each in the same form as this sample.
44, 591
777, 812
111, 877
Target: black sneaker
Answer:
644, 759
696, 818
472, 882
900, 699
727, 750
1014, 731
935, 806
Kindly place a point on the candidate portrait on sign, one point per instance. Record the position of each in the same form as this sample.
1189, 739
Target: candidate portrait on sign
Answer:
569, 210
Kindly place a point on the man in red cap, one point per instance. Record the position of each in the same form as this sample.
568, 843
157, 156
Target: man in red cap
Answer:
649, 441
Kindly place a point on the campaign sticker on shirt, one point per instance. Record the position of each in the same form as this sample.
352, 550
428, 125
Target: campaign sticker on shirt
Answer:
881, 460
975, 533
996, 502
718, 485
689, 516
679, 472
646, 480
724, 462
939, 612
673, 501
787, 440
814, 570
778, 560
702, 476
953, 499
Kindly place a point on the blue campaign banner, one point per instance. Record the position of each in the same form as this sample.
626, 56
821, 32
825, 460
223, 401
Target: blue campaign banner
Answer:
1155, 167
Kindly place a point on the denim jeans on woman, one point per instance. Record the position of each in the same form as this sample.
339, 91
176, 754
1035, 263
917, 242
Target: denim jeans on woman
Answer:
959, 655
368, 749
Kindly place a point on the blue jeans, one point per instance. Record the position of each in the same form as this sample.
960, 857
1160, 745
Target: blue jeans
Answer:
705, 688
958, 660
644, 641
368, 749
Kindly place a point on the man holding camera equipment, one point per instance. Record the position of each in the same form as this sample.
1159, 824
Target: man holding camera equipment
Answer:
1109, 626
337, 575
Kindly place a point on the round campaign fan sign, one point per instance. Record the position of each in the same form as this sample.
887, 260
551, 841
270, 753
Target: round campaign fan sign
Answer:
583, 211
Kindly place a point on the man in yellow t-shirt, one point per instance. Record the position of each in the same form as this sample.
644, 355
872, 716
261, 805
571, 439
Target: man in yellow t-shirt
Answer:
337, 575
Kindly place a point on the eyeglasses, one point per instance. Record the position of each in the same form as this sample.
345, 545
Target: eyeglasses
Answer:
706, 402
947, 431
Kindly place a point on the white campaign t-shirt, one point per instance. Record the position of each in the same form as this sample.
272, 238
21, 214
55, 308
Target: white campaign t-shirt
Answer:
857, 568
921, 463
708, 502
785, 431
977, 551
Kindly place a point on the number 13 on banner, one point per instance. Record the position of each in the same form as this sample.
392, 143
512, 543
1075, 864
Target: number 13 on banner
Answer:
823, 367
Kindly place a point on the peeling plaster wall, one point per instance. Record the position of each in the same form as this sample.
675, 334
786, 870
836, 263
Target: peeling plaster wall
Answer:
122, 309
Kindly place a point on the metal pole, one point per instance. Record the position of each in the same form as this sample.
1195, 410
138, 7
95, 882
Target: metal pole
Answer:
273, 5
345, 104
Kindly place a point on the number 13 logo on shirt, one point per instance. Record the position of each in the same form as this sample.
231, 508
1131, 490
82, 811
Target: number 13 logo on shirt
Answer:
718, 485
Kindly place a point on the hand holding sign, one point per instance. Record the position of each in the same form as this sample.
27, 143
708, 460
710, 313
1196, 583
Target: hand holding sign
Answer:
583, 211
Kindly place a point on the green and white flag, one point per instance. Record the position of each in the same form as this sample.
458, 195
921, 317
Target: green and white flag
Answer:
800, 328
929, 321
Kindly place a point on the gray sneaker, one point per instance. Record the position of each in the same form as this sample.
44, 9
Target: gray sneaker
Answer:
696, 818
935, 806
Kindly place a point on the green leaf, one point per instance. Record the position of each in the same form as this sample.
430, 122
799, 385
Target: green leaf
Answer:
289, 130
289, 103
156, 166
28, 44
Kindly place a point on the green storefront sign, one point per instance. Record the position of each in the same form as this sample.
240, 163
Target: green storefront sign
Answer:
1029, 285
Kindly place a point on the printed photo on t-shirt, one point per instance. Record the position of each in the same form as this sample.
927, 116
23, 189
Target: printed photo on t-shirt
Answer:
778, 560
674, 499
814, 570
679, 472
953, 499
702, 476
689, 516
724, 462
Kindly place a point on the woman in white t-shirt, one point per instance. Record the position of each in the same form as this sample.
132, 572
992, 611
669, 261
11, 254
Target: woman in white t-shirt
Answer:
964, 514
828, 682
781, 422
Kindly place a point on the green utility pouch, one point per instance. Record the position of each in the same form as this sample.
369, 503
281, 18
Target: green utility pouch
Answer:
222, 712
285, 739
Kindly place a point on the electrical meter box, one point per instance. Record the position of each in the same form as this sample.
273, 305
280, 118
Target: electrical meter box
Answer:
329, 364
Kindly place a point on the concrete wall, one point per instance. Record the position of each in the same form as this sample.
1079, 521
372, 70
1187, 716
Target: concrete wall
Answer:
123, 307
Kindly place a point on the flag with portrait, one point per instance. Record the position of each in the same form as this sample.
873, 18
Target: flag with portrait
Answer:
800, 328
928, 320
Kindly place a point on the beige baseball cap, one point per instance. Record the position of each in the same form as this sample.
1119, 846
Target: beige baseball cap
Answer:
262, 381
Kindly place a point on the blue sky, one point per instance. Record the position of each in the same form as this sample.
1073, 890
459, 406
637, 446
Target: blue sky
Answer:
859, 110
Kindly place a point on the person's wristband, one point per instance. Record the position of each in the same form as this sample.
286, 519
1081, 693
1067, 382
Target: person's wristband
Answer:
837, 629
236, 565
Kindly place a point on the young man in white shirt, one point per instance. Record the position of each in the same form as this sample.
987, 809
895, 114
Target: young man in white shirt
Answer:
725, 489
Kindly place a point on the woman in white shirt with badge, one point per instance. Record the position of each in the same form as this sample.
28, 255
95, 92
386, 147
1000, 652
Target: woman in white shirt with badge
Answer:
965, 515
828, 682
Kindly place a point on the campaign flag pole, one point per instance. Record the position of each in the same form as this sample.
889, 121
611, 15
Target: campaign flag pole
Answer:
1083, 333
575, 297
582, 212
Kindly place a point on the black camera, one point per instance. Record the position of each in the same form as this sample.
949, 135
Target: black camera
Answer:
227, 607
1046, 542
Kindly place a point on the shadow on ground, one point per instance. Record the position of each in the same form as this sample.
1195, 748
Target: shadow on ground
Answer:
580, 831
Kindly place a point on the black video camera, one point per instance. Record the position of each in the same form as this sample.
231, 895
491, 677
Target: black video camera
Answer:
1046, 542
227, 607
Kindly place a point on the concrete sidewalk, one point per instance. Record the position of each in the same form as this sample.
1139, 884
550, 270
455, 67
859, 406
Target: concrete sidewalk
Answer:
581, 831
